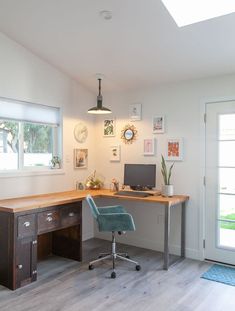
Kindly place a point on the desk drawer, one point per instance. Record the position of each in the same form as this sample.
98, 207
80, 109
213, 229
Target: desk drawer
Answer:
48, 221
70, 215
26, 226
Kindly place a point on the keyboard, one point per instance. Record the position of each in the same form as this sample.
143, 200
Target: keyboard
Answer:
139, 194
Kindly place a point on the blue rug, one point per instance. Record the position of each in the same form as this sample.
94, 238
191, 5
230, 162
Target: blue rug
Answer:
222, 274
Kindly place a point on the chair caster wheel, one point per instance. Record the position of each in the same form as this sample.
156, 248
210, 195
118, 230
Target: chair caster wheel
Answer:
113, 275
138, 268
91, 267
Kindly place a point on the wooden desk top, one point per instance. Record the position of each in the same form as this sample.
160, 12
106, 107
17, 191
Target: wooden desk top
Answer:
27, 203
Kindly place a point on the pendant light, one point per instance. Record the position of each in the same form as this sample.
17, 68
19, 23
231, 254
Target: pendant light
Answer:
99, 109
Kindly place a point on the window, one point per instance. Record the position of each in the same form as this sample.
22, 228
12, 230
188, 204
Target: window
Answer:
186, 12
9, 145
29, 135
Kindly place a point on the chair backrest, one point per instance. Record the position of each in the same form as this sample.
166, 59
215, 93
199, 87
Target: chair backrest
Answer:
92, 205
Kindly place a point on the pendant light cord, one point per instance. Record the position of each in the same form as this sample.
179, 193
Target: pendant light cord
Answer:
99, 87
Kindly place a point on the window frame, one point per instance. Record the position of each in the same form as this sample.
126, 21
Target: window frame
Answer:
23, 170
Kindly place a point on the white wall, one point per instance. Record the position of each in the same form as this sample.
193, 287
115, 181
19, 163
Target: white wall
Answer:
24, 76
181, 103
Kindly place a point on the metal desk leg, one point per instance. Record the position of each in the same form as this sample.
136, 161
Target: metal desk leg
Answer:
183, 230
166, 237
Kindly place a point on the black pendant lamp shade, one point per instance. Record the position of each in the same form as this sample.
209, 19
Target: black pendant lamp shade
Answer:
99, 109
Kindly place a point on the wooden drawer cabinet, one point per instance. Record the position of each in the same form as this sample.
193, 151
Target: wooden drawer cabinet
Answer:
70, 215
26, 225
48, 220
24, 234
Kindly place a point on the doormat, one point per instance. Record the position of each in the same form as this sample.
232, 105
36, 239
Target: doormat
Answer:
221, 274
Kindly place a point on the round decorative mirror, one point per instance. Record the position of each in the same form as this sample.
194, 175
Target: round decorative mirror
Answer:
129, 133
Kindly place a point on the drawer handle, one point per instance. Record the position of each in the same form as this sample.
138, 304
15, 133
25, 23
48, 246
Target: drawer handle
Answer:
49, 218
71, 214
27, 224
20, 267
49, 214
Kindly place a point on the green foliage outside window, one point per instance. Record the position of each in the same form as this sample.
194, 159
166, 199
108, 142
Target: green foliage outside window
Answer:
37, 137
10, 130
228, 225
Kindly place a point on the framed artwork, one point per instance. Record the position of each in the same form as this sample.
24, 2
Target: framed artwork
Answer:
174, 149
80, 158
158, 124
115, 153
149, 146
135, 112
109, 127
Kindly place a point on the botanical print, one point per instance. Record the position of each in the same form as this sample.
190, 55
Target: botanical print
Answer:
115, 153
109, 127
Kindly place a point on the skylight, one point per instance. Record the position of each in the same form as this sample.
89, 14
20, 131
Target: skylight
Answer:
186, 12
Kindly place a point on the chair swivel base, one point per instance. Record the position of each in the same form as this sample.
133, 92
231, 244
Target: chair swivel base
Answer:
113, 255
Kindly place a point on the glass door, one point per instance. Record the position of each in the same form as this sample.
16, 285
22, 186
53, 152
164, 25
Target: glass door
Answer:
220, 182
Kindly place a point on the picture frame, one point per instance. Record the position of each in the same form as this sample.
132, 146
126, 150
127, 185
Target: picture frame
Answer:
135, 111
158, 124
149, 146
80, 157
109, 128
174, 149
115, 153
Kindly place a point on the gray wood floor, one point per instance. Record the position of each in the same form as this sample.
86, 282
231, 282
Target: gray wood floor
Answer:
68, 285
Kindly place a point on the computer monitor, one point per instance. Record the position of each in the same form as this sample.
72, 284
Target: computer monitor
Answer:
140, 176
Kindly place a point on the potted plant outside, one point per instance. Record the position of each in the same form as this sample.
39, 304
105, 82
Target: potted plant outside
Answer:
167, 188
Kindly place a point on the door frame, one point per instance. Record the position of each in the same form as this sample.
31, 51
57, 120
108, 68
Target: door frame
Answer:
202, 161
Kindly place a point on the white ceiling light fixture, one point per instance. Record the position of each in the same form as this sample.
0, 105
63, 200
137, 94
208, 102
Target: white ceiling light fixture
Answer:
99, 109
186, 12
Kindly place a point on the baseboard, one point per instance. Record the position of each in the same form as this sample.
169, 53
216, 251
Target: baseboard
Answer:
87, 235
150, 244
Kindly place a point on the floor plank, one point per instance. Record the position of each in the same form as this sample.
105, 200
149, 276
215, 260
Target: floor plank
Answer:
66, 285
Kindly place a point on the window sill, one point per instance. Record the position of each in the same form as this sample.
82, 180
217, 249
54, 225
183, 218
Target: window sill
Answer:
26, 173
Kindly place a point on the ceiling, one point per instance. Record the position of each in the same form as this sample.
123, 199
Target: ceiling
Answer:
140, 46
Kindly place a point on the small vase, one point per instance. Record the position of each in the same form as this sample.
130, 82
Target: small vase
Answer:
167, 190
116, 187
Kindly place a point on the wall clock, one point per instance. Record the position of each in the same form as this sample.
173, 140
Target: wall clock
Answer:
129, 134
80, 132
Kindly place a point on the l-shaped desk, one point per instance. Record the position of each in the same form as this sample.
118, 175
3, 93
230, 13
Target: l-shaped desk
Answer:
33, 227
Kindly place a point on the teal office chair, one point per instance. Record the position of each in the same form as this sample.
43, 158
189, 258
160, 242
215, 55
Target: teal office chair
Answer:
112, 219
